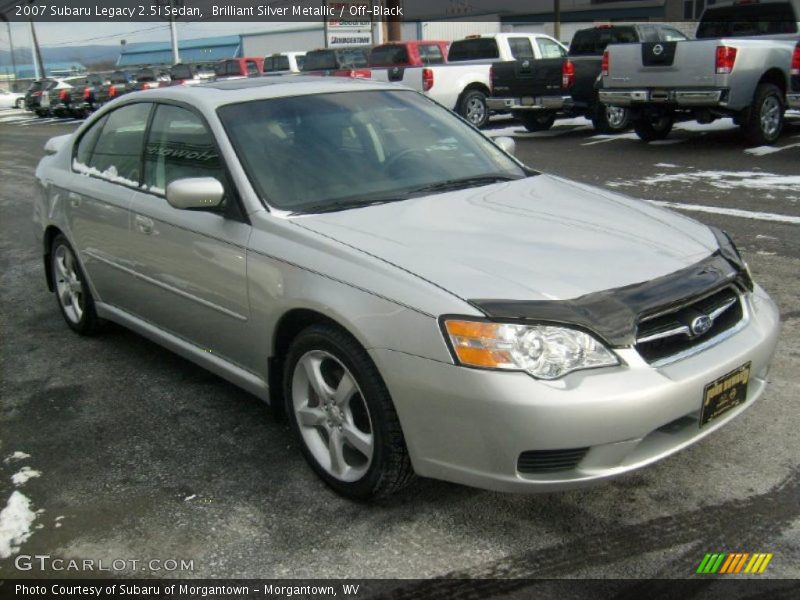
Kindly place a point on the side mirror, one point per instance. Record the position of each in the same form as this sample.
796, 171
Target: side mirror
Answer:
506, 144
195, 192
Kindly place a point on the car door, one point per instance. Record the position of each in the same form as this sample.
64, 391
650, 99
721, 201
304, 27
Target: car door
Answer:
106, 166
190, 264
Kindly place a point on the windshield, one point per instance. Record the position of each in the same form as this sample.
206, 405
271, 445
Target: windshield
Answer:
327, 151
748, 20
589, 42
320, 60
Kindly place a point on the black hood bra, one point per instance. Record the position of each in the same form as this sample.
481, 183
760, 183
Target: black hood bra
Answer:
613, 315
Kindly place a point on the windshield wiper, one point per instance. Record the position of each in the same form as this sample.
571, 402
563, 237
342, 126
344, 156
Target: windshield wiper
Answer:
327, 207
463, 182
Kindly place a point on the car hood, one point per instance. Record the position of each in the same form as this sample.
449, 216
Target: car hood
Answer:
540, 238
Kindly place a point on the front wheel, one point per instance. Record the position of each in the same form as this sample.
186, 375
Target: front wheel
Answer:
342, 415
72, 292
653, 127
764, 120
610, 119
472, 106
536, 121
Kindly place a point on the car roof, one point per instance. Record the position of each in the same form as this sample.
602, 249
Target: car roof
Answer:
219, 93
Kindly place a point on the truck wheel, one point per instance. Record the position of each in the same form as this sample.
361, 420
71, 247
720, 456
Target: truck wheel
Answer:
764, 120
536, 121
472, 106
653, 127
610, 119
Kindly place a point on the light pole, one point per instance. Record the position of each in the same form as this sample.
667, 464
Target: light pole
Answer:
38, 65
557, 19
11, 48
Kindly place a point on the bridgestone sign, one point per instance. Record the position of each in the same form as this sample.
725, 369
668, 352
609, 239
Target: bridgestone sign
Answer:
349, 23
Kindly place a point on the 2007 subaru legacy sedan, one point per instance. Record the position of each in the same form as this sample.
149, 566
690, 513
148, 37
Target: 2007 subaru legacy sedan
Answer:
415, 298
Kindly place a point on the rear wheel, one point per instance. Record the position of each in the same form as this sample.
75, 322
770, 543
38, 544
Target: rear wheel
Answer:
653, 127
610, 119
472, 106
536, 121
72, 292
764, 120
342, 415
19, 103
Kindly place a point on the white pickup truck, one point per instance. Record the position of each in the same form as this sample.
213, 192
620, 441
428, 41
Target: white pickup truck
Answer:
739, 66
464, 83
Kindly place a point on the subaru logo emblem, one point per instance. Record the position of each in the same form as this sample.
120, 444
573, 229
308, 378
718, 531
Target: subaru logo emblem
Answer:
701, 324
658, 49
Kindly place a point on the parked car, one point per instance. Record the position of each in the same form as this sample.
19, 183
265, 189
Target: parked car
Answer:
550, 335
150, 78
793, 97
33, 96
344, 61
412, 53
11, 99
68, 98
120, 83
94, 94
284, 62
537, 92
184, 74
739, 66
55, 98
236, 68
465, 87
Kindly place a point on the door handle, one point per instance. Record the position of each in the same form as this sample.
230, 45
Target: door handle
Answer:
74, 199
144, 225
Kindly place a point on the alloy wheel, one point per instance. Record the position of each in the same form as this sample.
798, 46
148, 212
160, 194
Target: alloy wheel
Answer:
69, 285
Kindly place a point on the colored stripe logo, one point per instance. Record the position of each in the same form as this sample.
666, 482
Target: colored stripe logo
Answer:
732, 563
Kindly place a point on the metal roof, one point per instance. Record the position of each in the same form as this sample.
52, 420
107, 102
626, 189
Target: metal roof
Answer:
197, 50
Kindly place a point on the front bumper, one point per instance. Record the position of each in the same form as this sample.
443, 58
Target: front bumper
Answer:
793, 100
471, 426
676, 97
529, 103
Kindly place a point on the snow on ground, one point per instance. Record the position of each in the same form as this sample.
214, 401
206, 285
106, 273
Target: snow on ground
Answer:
731, 212
16, 456
723, 180
22, 477
765, 150
666, 166
15, 524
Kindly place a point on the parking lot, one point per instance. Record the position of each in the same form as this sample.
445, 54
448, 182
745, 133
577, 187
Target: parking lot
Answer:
135, 453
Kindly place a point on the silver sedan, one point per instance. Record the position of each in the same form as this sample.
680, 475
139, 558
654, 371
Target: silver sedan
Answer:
416, 299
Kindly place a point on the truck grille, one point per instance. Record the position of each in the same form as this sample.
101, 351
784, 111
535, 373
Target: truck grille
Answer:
674, 332
547, 461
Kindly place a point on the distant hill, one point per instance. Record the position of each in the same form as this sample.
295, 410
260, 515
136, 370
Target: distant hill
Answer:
86, 55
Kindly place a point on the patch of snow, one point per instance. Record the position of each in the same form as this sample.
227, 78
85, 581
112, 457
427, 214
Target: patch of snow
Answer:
765, 253
718, 125
603, 138
110, 173
732, 212
192, 497
22, 477
765, 150
765, 237
15, 524
16, 456
667, 165
724, 180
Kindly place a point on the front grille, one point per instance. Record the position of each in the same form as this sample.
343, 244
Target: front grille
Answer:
547, 461
667, 334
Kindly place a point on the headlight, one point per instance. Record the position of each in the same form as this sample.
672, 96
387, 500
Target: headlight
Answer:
544, 351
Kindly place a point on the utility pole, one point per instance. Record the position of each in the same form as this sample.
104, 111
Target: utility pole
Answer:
38, 65
394, 29
557, 19
173, 34
11, 47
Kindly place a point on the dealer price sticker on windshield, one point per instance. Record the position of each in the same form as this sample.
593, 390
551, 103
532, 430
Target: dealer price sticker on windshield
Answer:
724, 394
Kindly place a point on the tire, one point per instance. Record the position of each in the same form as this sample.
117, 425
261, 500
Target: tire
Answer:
536, 121
653, 127
472, 106
610, 119
325, 358
72, 292
19, 103
763, 123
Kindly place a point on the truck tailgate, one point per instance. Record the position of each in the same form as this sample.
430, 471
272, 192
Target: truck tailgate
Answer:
518, 78
685, 64
407, 76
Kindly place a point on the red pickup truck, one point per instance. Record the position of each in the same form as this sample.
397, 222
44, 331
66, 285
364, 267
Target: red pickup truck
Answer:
416, 53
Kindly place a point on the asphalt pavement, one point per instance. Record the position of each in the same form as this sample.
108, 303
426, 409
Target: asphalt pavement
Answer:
130, 452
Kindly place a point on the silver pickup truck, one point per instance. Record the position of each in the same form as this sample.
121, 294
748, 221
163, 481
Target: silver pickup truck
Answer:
739, 66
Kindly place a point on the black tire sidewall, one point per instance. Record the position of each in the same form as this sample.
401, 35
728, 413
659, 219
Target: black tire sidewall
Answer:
534, 122
372, 388
647, 129
753, 130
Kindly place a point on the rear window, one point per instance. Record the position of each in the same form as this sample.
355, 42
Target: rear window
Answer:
228, 67
320, 60
473, 49
146, 75
276, 63
181, 72
390, 54
748, 20
119, 78
353, 57
587, 42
